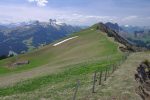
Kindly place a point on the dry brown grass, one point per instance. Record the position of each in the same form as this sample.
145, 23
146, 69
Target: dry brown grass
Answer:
121, 85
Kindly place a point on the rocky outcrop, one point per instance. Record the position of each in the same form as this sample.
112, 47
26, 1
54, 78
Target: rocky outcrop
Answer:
113, 26
112, 33
143, 79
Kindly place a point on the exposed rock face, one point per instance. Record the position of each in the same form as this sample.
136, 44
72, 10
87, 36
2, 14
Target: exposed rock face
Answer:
113, 26
143, 79
112, 33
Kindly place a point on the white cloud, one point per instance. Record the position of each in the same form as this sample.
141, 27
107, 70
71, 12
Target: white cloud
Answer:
23, 13
87, 19
40, 3
20, 13
134, 20
129, 18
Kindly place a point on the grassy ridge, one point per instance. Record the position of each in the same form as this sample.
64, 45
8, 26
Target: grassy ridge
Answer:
89, 51
90, 44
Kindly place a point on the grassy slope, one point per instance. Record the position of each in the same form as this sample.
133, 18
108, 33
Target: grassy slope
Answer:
79, 58
90, 44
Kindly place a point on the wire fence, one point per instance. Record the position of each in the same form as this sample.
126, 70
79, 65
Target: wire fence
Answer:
100, 76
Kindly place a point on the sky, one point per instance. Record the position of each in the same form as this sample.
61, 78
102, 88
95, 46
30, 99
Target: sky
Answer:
77, 12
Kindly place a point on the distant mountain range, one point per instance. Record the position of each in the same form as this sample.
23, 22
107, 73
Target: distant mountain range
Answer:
22, 37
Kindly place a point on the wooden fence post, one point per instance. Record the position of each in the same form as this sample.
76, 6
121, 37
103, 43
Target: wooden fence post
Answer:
108, 72
94, 81
100, 77
76, 90
105, 74
113, 69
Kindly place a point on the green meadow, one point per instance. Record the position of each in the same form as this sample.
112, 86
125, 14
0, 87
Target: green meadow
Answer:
78, 59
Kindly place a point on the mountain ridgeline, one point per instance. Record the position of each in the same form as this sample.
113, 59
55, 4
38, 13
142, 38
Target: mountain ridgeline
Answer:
136, 34
27, 36
114, 32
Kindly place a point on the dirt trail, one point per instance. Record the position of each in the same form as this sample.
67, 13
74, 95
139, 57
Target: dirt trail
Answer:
11, 79
121, 85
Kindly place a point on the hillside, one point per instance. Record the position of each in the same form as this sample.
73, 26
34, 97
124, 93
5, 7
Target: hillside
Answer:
53, 70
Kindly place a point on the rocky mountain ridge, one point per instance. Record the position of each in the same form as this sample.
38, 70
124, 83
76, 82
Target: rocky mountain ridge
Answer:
129, 46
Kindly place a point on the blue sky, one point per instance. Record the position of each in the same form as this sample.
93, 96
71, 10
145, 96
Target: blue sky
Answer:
77, 12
